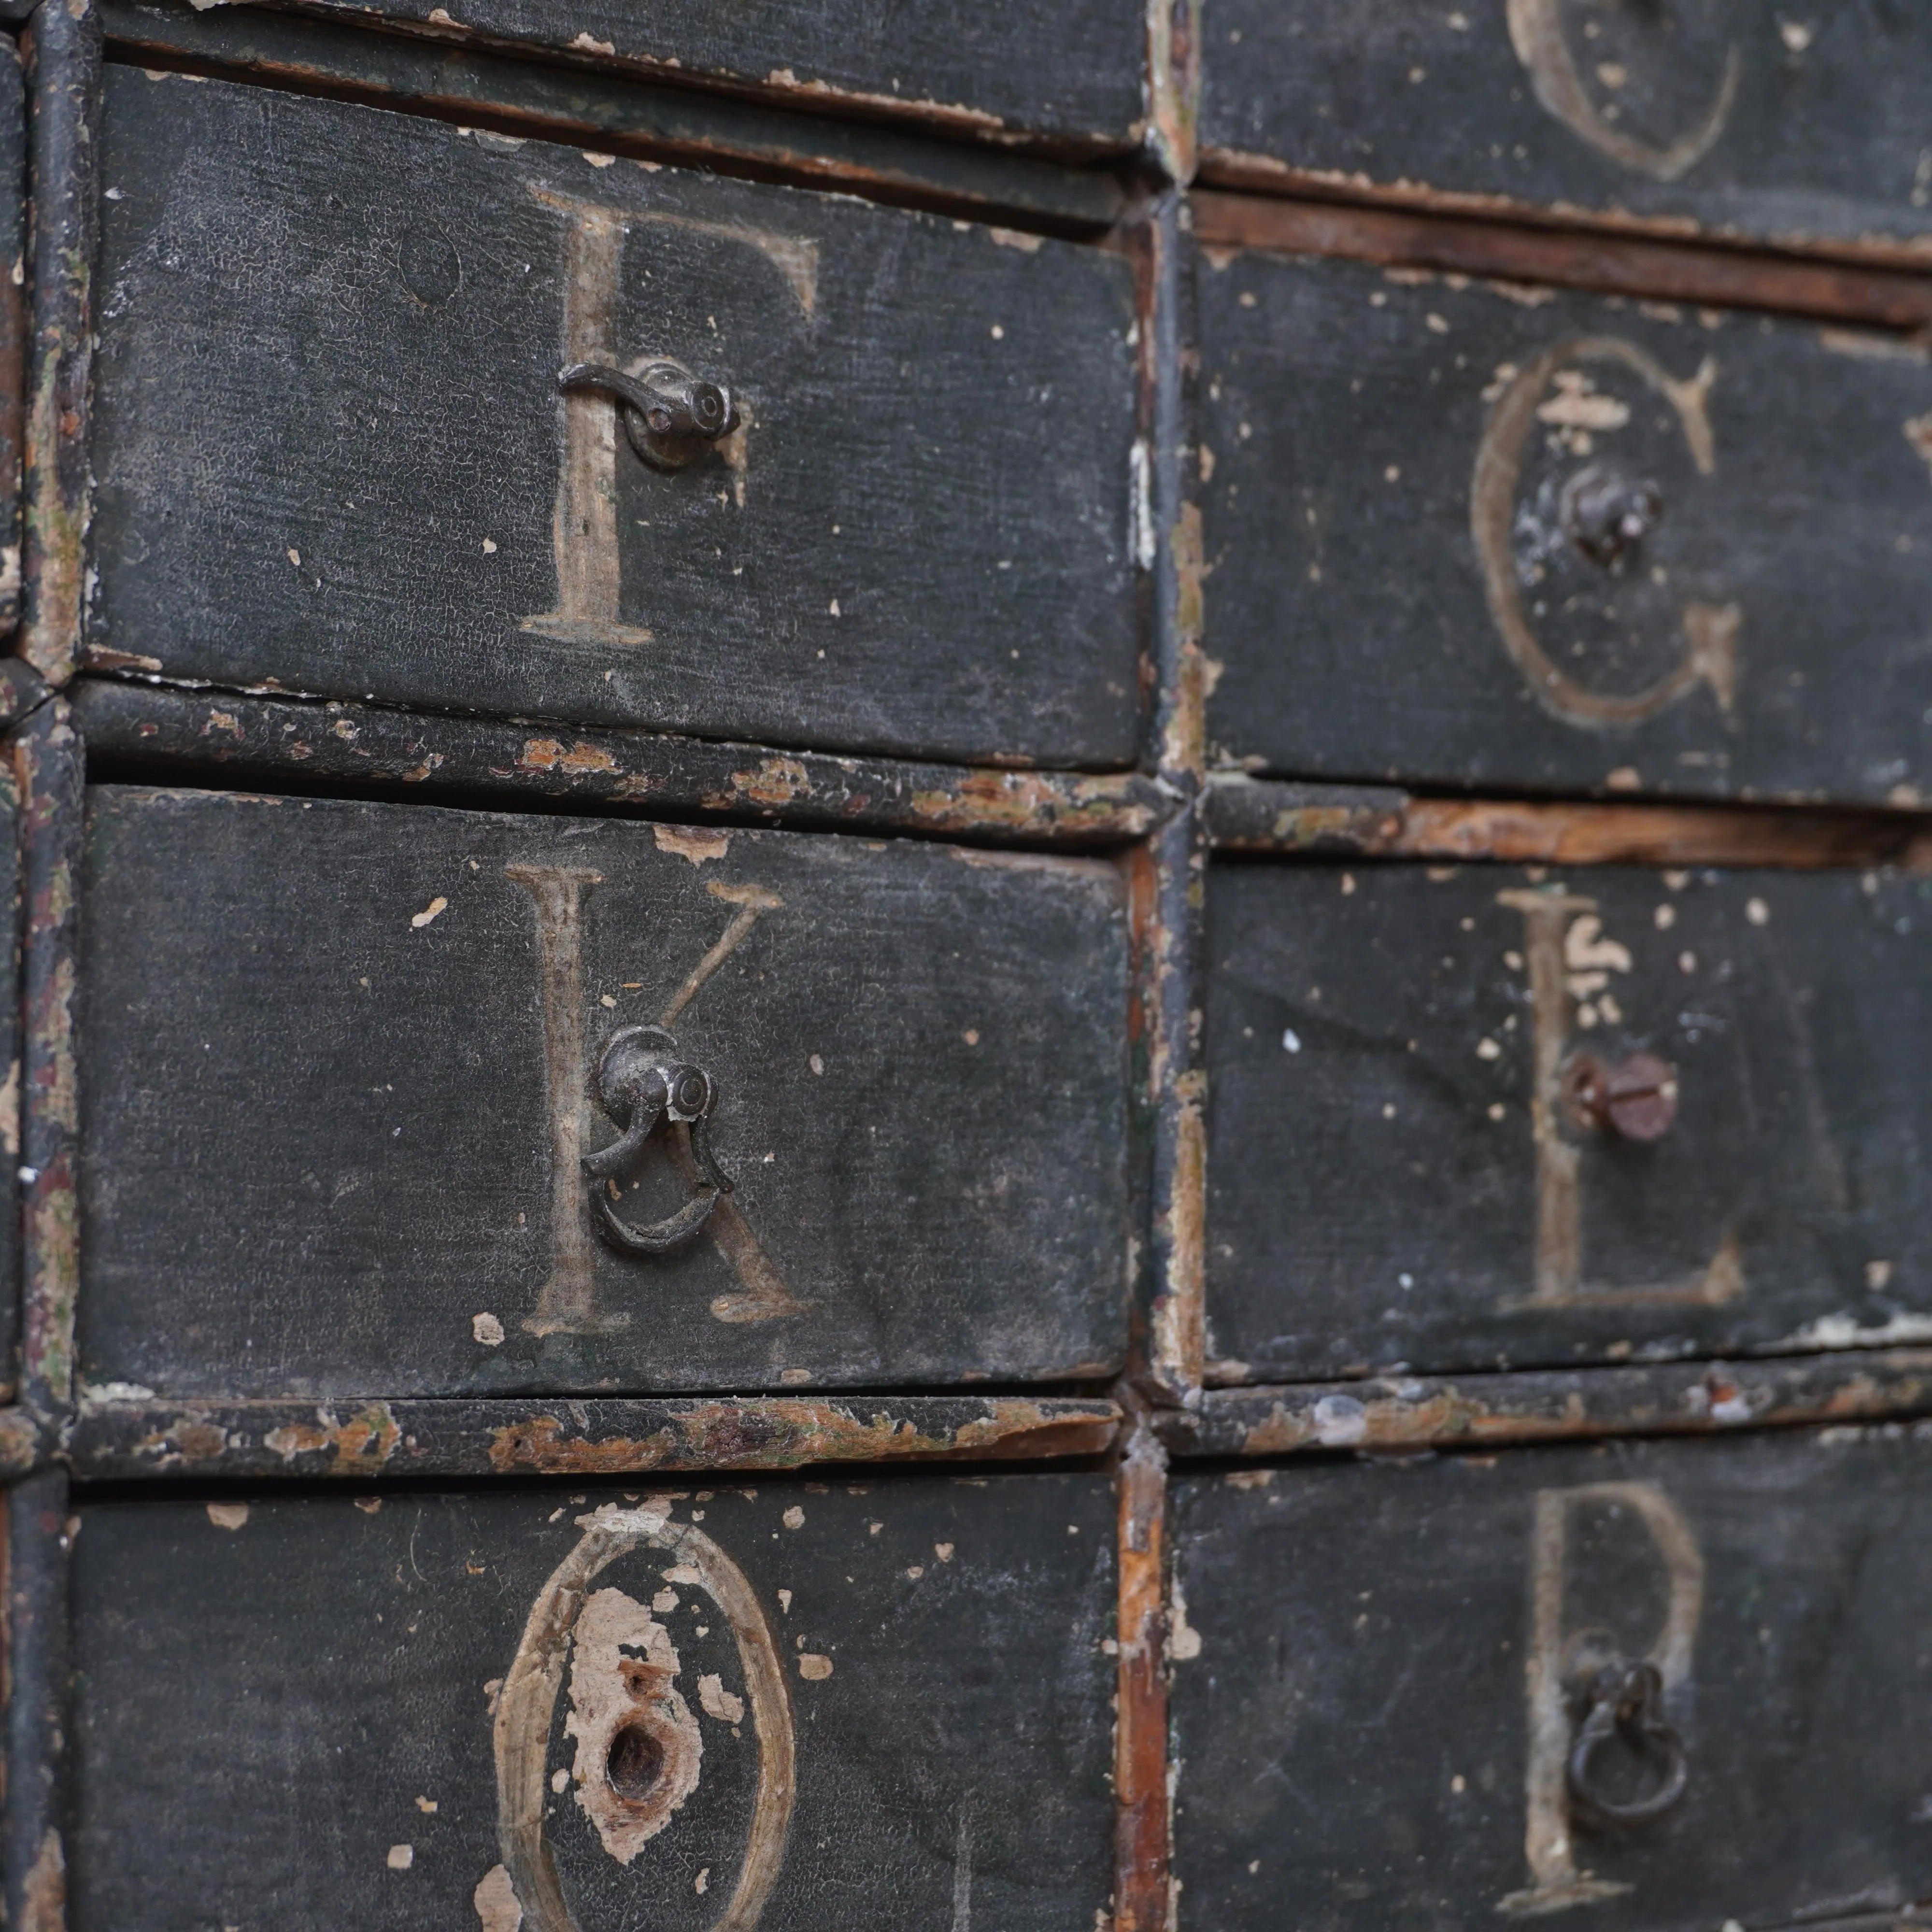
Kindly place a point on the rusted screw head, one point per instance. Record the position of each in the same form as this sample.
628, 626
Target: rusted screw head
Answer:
1607, 517
1636, 1098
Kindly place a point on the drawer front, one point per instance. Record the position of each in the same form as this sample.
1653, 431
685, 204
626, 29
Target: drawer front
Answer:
1480, 1117
1078, 77
386, 1035
334, 454
790, 1706
1740, 117
1389, 1671
1469, 533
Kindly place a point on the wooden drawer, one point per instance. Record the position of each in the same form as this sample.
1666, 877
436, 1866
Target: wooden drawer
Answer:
1411, 487
1383, 1683
1406, 1164
863, 1705
1076, 84
334, 454
1733, 117
343, 1064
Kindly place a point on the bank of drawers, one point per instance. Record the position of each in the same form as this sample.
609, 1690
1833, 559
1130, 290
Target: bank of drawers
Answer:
730, 1706
340, 1096
1489, 535
337, 452
457, 1078
1476, 1116
1383, 1704
1740, 118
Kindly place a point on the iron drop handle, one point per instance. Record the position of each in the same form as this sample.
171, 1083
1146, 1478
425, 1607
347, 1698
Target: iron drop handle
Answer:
670, 415
641, 1083
1626, 1701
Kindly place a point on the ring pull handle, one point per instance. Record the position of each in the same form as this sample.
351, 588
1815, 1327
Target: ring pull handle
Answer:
641, 1083
1625, 1702
671, 415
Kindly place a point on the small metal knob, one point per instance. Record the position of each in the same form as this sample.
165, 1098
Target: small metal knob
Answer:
1607, 517
1636, 1098
1623, 1703
641, 1082
671, 415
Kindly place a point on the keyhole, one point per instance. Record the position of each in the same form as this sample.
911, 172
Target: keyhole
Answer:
635, 1764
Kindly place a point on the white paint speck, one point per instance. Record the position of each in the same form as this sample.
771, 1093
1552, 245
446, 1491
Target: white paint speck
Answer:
793, 1518
489, 546
1291, 1040
1757, 912
487, 1329
401, 1858
435, 909
1487, 1049
817, 1065
815, 1669
228, 1516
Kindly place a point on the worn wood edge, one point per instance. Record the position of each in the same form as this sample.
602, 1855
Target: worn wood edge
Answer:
63, 65
1142, 1787
1168, 876
536, 95
1661, 271
15, 327
1527, 1405
1252, 815
1264, 177
1173, 86
38, 1545
24, 1440
48, 762
177, 735
782, 87
113, 1437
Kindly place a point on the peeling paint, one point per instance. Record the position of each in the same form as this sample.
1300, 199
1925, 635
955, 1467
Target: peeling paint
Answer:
694, 843
495, 1899
779, 1432
639, 1755
366, 1440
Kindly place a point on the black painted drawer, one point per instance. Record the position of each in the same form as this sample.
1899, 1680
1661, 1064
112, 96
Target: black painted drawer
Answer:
1382, 1674
333, 454
1403, 1167
864, 1706
1411, 488
1740, 117
339, 1072
1001, 71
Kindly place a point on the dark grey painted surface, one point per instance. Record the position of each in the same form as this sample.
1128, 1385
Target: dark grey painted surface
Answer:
1355, 1727
10, 1053
1820, 135
1076, 74
1378, 1195
265, 1711
319, 1144
332, 333
1349, 604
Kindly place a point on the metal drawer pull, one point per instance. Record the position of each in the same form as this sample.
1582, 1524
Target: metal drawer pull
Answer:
1626, 1700
670, 415
1607, 517
1636, 1098
640, 1081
